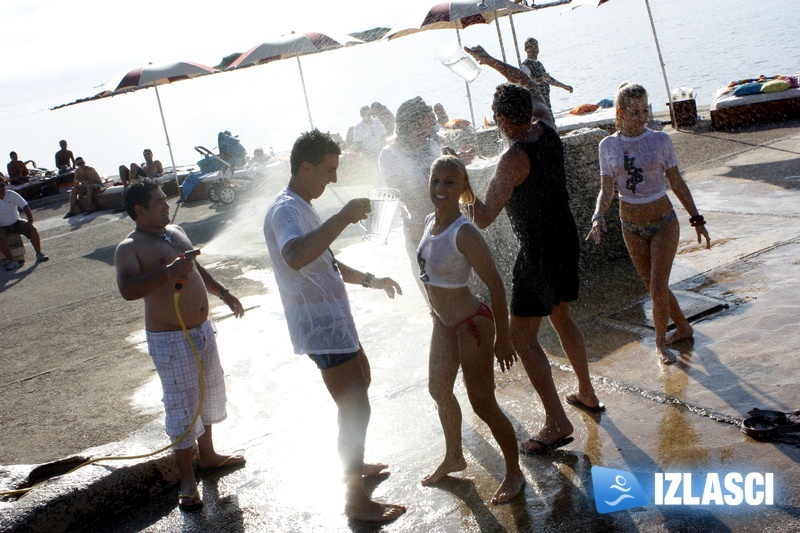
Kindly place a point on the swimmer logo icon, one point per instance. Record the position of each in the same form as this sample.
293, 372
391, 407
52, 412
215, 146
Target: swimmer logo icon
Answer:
616, 490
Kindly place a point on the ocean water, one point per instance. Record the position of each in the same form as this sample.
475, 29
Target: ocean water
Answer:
705, 44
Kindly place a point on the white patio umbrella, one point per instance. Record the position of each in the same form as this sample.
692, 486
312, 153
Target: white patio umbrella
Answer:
153, 76
294, 45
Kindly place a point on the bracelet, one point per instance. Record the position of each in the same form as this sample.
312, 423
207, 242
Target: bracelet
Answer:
697, 220
223, 293
597, 216
367, 280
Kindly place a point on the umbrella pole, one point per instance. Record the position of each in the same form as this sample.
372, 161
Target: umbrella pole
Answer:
499, 35
169, 145
305, 94
514, 35
469, 93
661, 60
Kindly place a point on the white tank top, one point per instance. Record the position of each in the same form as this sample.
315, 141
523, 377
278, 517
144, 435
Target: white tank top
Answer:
440, 262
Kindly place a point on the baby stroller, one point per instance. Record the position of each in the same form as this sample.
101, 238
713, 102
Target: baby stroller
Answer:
221, 169
214, 168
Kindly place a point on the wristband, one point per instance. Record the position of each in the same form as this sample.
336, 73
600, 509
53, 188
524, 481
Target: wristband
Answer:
223, 293
697, 220
367, 279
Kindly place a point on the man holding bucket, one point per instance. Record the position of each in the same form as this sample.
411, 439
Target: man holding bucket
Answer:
311, 284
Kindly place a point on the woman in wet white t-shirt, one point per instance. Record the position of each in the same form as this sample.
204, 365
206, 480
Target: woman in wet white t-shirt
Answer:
637, 160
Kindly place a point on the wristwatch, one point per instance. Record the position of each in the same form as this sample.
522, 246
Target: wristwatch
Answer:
367, 279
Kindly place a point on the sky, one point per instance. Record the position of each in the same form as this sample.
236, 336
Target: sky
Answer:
51, 48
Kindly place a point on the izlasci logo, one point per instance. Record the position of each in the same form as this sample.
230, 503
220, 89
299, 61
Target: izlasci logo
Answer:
616, 490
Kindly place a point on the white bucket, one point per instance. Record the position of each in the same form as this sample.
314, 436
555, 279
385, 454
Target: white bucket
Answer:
454, 58
383, 204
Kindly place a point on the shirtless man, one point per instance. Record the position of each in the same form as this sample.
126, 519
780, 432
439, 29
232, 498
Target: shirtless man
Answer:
150, 169
17, 170
86, 182
64, 158
149, 264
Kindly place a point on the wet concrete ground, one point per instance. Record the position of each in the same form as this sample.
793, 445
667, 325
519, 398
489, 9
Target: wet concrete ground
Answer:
681, 418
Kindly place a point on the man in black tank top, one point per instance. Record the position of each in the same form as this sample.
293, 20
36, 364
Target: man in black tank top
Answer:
530, 182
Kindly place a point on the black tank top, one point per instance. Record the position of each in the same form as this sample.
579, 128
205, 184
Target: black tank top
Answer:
539, 207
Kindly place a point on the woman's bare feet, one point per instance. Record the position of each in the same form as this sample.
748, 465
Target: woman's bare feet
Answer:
681, 333
371, 511
665, 355
510, 488
448, 466
374, 469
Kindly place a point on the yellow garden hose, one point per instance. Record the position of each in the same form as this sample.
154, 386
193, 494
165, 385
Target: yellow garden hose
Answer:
178, 287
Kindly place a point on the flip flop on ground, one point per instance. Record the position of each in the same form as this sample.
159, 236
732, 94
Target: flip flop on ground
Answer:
195, 503
232, 461
764, 424
573, 400
543, 447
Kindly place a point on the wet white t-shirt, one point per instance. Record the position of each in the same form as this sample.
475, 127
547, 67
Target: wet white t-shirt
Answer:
638, 164
314, 297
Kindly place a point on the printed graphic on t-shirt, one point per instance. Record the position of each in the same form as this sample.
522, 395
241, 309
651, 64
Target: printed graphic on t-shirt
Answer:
634, 173
423, 276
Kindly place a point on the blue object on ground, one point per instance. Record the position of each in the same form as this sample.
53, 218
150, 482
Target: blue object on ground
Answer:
191, 182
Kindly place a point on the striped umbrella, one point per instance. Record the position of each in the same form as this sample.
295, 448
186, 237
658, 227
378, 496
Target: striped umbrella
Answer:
294, 45
153, 76
458, 15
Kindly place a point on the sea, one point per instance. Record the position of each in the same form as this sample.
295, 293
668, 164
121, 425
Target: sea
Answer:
705, 44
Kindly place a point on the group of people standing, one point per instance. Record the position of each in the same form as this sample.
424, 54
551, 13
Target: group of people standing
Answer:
444, 247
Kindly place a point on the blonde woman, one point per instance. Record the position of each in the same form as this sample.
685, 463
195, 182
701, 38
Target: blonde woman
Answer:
637, 159
466, 332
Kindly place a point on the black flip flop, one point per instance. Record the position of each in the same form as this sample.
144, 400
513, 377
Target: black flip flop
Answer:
764, 424
545, 447
575, 402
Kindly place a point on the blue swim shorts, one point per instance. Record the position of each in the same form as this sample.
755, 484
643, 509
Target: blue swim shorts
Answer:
326, 361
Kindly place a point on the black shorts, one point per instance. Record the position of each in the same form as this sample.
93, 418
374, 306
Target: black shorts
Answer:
542, 282
20, 227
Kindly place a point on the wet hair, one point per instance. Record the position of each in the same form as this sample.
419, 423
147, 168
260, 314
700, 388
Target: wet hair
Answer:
410, 114
138, 193
312, 147
625, 93
451, 161
514, 102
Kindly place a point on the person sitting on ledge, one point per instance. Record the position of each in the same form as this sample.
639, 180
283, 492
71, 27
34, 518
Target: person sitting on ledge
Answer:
65, 161
11, 203
148, 169
17, 170
87, 182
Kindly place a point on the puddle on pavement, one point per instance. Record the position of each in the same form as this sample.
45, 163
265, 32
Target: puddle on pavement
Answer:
695, 306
